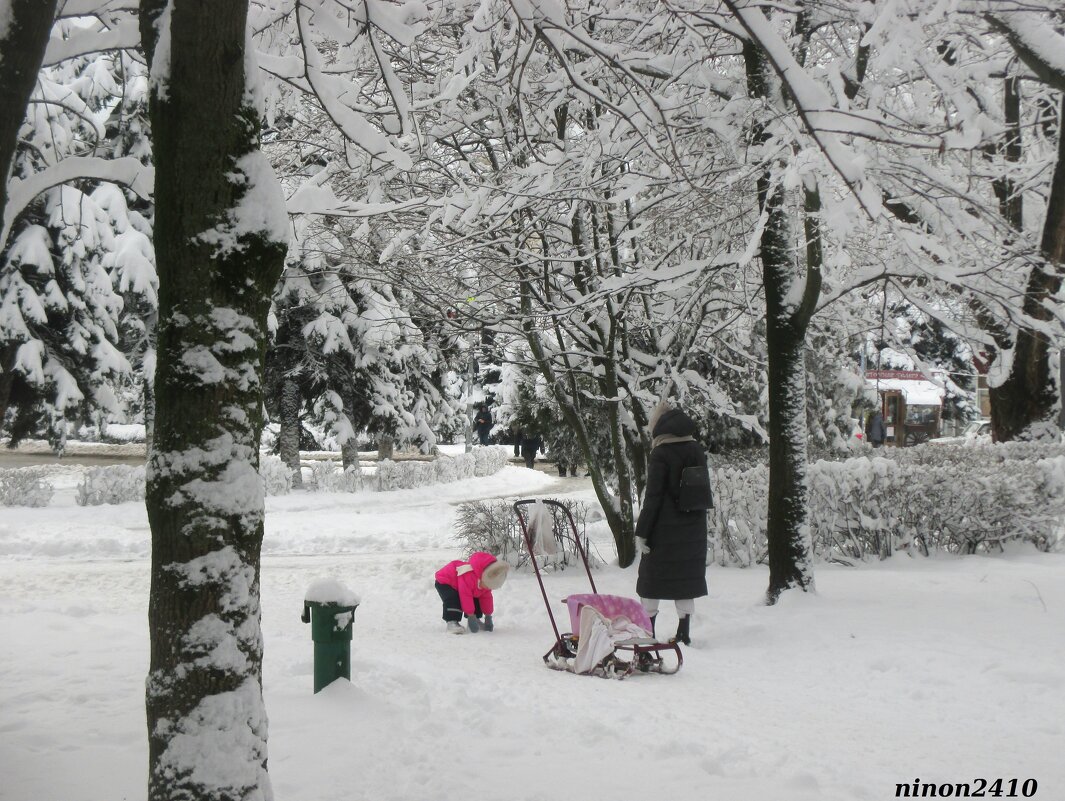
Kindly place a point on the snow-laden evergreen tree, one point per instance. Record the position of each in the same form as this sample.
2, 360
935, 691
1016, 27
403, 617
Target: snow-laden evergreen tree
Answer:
77, 279
349, 352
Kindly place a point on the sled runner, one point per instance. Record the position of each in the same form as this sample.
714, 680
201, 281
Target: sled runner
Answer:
610, 635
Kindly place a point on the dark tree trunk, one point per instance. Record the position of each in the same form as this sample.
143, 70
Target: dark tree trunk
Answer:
22, 48
206, 720
1023, 406
149, 412
349, 448
787, 527
289, 420
7, 377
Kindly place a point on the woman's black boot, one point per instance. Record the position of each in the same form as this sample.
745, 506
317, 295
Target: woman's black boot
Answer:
682, 630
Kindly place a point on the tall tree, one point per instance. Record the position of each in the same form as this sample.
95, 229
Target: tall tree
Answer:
220, 235
24, 31
791, 294
23, 40
1025, 405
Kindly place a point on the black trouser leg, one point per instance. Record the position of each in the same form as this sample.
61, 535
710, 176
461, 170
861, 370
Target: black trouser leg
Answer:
452, 604
530, 460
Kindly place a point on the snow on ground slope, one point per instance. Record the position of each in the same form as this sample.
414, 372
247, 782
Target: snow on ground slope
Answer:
943, 670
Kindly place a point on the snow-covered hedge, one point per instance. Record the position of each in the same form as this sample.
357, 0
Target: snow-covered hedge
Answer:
327, 476
24, 486
409, 474
925, 499
119, 483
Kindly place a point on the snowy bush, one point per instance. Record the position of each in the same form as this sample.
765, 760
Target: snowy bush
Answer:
446, 470
927, 499
488, 461
24, 486
740, 498
464, 466
412, 473
327, 476
493, 526
119, 483
275, 474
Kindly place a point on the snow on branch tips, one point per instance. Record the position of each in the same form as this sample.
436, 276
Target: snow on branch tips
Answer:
813, 104
1033, 37
126, 171
345, 63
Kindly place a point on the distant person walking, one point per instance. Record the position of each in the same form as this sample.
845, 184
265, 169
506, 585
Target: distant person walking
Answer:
672, 541
482, 424
527, 444
875, 430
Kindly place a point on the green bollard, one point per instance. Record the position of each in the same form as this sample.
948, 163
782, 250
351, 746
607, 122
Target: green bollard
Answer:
331, 630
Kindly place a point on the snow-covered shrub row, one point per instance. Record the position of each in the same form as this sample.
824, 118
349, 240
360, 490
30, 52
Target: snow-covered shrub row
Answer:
872, 506
24, 486
984, 452
493, 526
123, 483
738, 519
409, 474
488, 461
328, 476
118, 483
275, 474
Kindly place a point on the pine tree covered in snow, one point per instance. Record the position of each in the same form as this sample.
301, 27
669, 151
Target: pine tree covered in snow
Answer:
77, 276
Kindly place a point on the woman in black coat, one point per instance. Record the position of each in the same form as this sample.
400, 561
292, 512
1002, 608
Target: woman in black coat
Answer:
673, 543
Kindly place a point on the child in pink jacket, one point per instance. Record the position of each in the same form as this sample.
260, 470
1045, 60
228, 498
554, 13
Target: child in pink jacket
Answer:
466, 589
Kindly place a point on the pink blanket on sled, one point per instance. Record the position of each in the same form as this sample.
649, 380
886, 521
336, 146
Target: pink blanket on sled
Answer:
610, 606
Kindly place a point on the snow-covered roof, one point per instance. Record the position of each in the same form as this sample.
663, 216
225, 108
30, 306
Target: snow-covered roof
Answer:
916, 393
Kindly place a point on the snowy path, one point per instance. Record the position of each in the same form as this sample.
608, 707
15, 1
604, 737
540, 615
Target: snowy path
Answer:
944, 670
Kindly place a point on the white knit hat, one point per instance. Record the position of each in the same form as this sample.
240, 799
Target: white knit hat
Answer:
494, 575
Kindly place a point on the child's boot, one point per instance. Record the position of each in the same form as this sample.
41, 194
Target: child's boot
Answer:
454, 627
489, 624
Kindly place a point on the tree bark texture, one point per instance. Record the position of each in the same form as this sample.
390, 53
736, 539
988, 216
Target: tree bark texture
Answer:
290, 429
787, 526
1024, 405
206, 720
22, 48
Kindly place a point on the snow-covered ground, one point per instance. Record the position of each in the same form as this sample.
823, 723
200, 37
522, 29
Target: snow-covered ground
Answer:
946, 670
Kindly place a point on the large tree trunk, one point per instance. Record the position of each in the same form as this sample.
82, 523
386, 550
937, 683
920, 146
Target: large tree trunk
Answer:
1024, 405
289, 420
217, 268
787, 527
22, 47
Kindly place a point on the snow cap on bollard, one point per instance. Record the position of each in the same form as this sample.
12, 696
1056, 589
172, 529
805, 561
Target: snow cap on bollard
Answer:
331, 591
